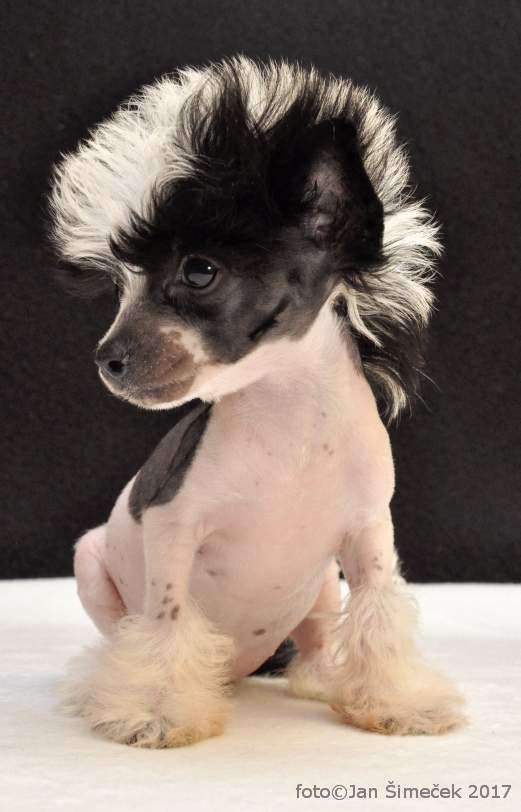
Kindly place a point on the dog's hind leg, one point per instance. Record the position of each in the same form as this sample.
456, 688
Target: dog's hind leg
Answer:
308, 674
96, 589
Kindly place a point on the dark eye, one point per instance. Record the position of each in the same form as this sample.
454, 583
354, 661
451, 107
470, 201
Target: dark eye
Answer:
198, 272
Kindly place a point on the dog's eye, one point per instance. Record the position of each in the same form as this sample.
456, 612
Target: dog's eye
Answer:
198, 272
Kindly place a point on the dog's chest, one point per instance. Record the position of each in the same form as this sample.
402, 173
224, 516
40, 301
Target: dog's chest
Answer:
279, 475
281, 480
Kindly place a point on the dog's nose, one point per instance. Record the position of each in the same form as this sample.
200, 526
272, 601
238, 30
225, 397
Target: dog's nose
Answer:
112, 359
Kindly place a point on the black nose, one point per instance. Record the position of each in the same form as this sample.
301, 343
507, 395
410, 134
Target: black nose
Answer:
112, 359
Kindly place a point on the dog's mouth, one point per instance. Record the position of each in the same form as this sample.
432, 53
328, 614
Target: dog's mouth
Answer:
150, 395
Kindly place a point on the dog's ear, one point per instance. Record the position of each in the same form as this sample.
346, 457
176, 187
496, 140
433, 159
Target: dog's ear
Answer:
328, 190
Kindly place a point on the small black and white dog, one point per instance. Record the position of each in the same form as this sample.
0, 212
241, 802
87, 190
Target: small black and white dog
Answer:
273, 275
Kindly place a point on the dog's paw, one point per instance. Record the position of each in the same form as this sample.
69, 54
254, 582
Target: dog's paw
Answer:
146, 690
158, 732
146, 718
405, 715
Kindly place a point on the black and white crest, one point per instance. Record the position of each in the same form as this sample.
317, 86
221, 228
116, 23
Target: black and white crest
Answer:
239, 152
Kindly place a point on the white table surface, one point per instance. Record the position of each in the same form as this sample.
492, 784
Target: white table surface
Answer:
274, 742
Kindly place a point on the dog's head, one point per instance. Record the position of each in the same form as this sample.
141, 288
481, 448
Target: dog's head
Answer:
227, 206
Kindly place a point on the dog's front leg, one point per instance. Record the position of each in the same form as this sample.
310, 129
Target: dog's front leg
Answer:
379, 679
163, 679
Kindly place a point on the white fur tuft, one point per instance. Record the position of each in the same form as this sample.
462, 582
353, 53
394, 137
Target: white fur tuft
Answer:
378, 680
154, 688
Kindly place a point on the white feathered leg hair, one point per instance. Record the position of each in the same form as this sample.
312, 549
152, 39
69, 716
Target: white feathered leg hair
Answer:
378, 680
162, 678
151, 686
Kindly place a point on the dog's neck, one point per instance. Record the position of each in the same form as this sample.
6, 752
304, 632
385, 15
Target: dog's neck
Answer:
324, 362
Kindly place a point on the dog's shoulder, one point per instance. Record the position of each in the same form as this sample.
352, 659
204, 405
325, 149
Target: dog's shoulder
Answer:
162, 475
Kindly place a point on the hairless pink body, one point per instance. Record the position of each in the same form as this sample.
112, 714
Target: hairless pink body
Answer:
288, 475
258, 224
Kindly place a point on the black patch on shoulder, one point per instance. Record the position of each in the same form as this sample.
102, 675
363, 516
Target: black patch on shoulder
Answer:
162, 475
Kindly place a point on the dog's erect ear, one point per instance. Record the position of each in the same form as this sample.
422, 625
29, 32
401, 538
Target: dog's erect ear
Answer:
327, 188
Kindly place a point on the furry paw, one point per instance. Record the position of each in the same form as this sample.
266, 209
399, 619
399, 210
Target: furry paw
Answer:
145, 689
412, 713
158, 732
145, 718
381, 682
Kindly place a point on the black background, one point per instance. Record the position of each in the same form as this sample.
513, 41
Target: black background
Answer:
451, 71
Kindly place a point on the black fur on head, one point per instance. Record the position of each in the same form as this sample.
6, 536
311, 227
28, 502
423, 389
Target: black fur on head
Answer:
252, 174
291, 184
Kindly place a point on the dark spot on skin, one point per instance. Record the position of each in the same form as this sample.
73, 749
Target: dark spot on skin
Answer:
278, 586
160, 615
378, 567
120, 579
270, 453
174, 611
212, 572
168, 586
152, 583
257, 482
166, 600
325, 446
340, 307
323, 414
331, 452
257, 632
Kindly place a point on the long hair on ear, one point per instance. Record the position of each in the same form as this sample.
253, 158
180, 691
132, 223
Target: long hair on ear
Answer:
224, 125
